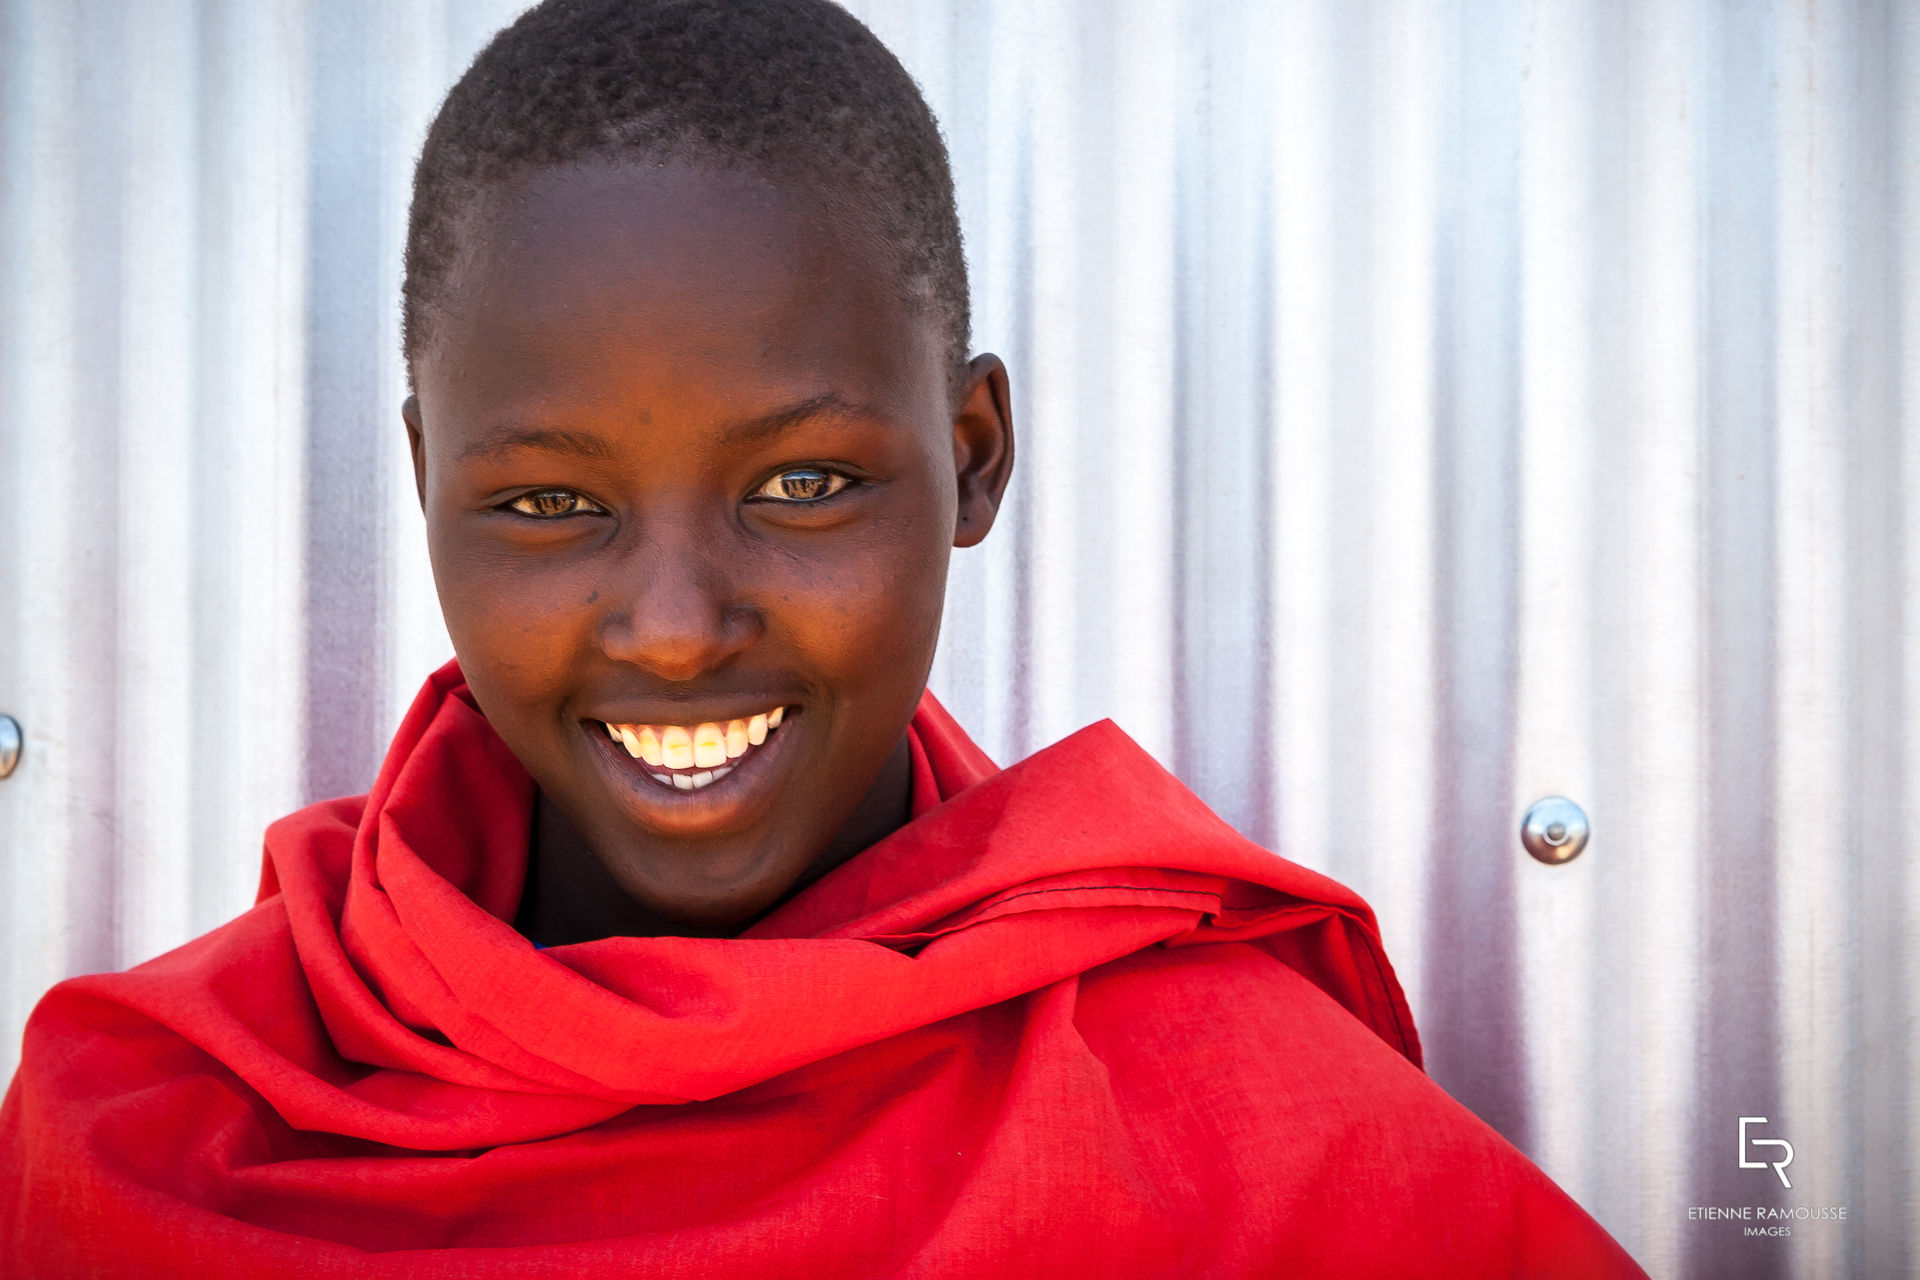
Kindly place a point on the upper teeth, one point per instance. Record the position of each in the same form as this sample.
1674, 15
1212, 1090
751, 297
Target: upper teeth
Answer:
701, 747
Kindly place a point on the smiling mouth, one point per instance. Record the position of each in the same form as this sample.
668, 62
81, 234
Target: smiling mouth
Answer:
689, 757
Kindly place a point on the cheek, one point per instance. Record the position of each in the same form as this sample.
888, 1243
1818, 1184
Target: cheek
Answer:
871, 610
514, 620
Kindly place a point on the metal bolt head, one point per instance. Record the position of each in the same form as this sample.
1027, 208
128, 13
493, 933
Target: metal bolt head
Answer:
11, 740
1554, 830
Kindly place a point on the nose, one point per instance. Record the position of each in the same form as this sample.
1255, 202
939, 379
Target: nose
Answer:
675, 614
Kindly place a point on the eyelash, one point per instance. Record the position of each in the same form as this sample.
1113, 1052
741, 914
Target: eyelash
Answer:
580, 504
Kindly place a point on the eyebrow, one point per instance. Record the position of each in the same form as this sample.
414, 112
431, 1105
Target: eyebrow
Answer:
828, 404
550, 439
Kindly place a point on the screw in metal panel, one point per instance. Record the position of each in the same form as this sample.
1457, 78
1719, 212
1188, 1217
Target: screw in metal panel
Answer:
1554, 830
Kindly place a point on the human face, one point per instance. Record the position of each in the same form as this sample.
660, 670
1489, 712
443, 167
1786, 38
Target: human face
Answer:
686, 460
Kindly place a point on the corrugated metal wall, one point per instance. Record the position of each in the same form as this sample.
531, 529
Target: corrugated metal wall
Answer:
1427, 407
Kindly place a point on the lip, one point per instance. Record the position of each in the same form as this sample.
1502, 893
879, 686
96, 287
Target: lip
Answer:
725, 804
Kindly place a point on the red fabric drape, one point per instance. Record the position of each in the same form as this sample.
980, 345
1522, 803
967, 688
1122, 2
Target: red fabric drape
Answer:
1066, 1022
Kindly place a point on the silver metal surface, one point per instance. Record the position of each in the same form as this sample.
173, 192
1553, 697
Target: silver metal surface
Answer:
1554, 830
11, 740
1425, 408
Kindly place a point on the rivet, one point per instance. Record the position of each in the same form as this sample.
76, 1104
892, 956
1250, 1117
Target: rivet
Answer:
1554, 830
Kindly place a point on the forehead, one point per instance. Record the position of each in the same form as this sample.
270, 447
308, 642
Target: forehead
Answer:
666, 280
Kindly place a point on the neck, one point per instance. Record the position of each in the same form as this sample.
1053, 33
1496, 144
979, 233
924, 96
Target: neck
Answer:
570, 897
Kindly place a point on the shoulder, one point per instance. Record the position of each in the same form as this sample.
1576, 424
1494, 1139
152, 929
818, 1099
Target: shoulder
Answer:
1255, 1036
1340, 1145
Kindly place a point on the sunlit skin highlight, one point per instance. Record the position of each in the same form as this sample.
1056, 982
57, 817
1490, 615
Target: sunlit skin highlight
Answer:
686, 455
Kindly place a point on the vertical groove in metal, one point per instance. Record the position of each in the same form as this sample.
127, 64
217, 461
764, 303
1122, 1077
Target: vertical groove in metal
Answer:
349, 197
1892, 1170
1424, 408
1738, 270
1303, 102
1646, 613
40, 122
1882, 1166
1816, 856
1555, 605
17, 58
1256, 381
1475, 1040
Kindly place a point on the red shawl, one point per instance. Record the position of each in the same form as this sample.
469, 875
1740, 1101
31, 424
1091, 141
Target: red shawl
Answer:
1064, 1023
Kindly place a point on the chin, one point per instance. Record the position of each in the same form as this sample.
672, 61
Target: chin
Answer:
724, 889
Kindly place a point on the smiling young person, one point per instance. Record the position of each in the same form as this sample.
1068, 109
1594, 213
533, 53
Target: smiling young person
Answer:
692, 467
683, 933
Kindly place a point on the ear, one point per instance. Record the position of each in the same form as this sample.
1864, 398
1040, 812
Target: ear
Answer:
982, 448
410, 411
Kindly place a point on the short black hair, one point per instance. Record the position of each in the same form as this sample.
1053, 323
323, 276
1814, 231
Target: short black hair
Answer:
793, 90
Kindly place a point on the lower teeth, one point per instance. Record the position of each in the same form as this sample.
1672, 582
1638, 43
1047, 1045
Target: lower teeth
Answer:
691, 781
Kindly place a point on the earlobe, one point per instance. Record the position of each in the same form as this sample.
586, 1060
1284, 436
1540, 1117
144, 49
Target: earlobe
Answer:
416, 441
982, 448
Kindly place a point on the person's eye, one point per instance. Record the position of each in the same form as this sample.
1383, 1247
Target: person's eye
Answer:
552, 504
802, 484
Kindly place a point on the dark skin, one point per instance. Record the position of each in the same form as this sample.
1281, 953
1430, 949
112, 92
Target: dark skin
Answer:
686, 455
